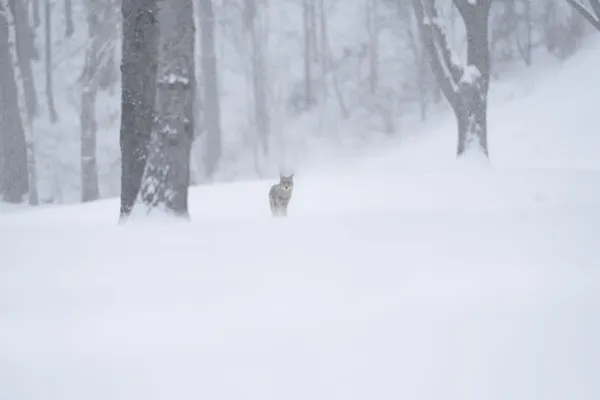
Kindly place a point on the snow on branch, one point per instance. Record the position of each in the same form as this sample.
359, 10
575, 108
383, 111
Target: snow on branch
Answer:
441, 41
587, 14
470, 74
447, 71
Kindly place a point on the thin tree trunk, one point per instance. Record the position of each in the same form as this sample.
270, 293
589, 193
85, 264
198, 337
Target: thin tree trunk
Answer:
327, 57
525, 48
48, 61
22, 101
323, 49
88, 125
260, 100
89, 170
69, 28
35, 5
373, 34
138, 91
167, 176
212, 99
312, 12
259, 74
27, 52
529, 30
421, 60
308, 92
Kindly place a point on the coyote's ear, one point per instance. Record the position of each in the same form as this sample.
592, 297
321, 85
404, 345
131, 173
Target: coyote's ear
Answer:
292, 176
281, 176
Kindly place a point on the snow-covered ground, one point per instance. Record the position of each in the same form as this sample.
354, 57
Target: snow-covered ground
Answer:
403, 275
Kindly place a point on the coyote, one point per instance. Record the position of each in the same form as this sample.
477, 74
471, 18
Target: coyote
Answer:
280, 195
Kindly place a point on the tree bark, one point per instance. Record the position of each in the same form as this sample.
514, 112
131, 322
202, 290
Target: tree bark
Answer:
138, 91
167, 176
24, 113
48, 61
212, 98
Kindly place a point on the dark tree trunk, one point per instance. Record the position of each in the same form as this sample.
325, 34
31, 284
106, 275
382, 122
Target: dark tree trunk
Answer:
474, 84
48, 61
167, 176
10, 12
138, 91
13, 149
465, 87
211, 99
69, 28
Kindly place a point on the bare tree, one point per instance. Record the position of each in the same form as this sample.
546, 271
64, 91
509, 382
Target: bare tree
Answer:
593, 15
167, 176
464, 86
138, 91
7, 12
48, 60
211, 98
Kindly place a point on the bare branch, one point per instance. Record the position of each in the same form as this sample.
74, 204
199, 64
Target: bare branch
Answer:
442, 46
587, 14
447, 73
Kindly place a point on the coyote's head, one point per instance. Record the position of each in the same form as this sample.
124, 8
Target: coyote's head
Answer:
287, 182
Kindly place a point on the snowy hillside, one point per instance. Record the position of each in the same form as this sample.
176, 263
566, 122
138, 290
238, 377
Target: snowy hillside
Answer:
400, 274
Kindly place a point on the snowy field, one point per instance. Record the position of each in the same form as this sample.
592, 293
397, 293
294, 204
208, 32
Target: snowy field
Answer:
403, 275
